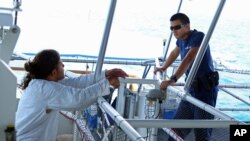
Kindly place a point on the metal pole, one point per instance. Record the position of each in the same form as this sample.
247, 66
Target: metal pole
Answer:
170, 123
103, 47
203, 47
170, 36
105, 39
120, 121
235, 96
199, 103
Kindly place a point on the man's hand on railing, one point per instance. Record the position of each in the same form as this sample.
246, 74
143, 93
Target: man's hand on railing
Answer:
158, 69
166, 83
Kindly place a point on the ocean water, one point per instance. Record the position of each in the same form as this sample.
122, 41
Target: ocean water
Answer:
138, 30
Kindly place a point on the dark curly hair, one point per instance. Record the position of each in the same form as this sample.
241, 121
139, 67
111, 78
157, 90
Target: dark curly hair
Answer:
41, 66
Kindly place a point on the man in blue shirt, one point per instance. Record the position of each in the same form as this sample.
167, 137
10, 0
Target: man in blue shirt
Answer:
204, 86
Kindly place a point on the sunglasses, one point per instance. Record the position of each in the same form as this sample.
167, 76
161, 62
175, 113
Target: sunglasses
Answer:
177, 27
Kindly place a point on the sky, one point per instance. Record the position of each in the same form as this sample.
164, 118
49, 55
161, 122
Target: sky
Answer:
75, 26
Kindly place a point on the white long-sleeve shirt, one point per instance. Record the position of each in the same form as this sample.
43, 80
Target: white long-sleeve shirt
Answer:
33, 123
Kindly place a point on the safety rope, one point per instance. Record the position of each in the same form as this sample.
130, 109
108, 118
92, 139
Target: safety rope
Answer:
81, 125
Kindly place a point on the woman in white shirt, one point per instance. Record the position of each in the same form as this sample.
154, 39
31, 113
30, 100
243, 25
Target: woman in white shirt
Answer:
46, 92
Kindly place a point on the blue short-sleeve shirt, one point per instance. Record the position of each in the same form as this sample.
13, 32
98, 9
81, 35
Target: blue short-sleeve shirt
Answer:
195, 40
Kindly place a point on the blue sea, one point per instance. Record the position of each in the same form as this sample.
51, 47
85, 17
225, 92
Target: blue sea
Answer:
138, 31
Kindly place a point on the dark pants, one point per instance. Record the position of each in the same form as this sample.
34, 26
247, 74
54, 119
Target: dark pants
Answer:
186, 110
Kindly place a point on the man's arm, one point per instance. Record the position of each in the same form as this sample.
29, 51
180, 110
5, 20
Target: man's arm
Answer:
171, 58
186, 62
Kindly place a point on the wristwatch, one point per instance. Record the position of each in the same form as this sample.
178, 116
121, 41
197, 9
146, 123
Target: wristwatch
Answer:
173, 77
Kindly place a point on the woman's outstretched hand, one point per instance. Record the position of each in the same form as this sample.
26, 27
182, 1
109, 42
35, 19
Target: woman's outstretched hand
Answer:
116, 72
113, 74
